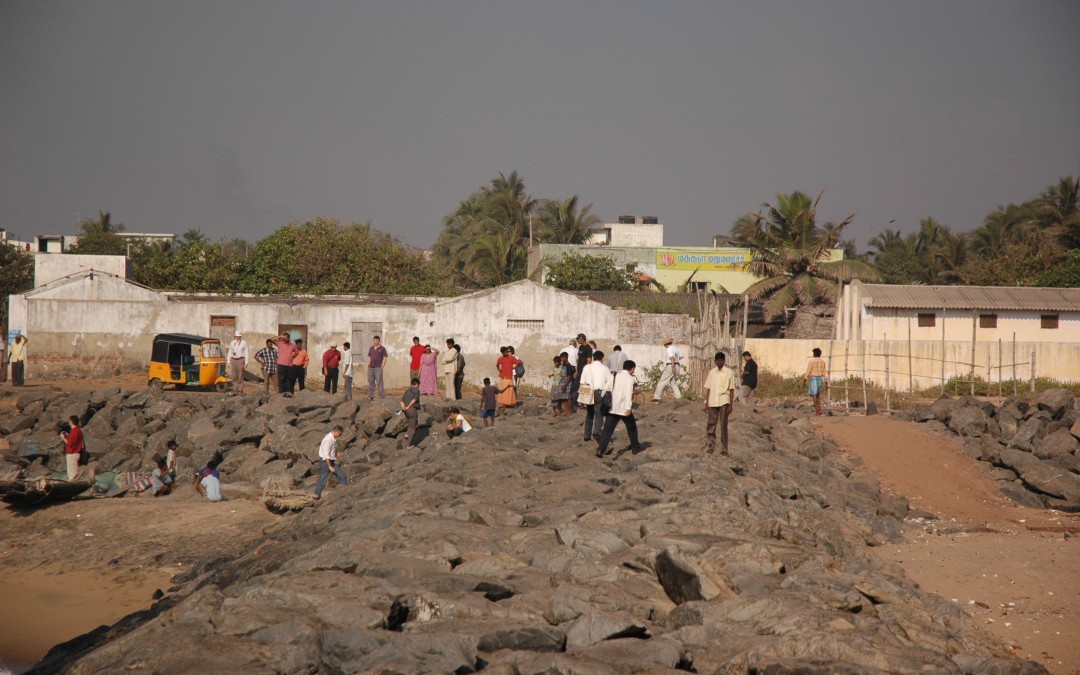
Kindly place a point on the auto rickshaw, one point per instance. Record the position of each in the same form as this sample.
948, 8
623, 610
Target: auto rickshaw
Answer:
187, 361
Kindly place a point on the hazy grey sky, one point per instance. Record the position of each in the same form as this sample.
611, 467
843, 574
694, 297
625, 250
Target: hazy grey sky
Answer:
238, 117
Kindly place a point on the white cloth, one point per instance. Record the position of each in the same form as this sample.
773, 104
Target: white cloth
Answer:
719, 384
346, 363
571, 354
597, 376
238, 349
622, 393
449, 361
328, 447
213, 488
465, 426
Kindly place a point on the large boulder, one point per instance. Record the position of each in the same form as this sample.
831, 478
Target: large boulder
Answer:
1055, 402
1043, 476
968, 421
1060, 442
944, 407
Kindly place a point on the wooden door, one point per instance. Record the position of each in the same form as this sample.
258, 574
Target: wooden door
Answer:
362, 334
222, 328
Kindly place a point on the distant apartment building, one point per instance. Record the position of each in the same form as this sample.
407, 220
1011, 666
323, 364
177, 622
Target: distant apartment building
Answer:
637, 243
61, 243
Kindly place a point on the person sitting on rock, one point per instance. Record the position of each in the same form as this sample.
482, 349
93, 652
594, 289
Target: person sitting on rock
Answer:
209, 485
457, 424
163, 478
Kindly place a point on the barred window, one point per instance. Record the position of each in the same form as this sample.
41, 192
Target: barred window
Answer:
527, 324
988, 321
927, 320
1049, 321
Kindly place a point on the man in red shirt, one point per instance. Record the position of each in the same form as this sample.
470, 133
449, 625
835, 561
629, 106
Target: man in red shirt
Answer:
415, 352
330, 360
286, 350
73, 447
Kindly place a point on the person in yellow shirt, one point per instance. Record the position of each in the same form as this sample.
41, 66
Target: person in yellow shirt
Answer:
18, 361
719, 393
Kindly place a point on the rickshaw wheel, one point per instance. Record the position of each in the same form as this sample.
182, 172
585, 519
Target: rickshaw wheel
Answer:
156, 384
221, 386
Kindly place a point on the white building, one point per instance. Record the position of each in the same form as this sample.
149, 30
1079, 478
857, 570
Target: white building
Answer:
631, 232
958, 313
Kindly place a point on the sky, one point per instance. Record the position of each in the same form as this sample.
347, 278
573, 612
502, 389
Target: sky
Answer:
238, 117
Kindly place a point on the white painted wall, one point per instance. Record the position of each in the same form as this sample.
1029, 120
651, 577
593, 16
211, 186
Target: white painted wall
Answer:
51, 266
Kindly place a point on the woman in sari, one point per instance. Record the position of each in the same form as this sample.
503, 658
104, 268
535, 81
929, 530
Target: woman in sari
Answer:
505, 364
429, 373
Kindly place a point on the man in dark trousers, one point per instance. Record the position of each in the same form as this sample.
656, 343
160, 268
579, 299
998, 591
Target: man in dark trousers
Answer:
749, 380
331, 359
584, 355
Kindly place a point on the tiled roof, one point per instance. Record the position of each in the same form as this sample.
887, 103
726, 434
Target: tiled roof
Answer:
971, 297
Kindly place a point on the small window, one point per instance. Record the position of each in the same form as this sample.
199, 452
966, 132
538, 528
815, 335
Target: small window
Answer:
1049, 321
527, 324
927, 320
698, 286
988, 321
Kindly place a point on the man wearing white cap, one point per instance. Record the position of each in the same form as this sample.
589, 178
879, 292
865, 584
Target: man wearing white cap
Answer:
238, 356
669, 376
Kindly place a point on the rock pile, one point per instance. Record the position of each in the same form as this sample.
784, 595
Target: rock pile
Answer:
1031, 440
514, 550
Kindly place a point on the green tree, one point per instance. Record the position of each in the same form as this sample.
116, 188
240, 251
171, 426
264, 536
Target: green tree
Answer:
100, 237
16, 275
325, 256
791, 254
577, 272
563, 222
1064, 274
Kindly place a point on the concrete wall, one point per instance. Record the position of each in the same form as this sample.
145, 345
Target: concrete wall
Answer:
993, 361
105, 325
51, 266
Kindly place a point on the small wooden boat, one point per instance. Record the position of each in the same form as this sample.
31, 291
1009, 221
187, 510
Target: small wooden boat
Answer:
21, 491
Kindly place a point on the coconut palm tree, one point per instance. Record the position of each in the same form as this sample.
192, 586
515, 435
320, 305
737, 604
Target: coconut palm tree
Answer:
563, 222
791, 254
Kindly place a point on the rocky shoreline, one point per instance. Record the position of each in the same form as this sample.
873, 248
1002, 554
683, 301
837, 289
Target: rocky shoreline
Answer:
513, 549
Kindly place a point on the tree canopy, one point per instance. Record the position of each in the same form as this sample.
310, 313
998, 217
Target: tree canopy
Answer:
16, 275
578, 272
100, 237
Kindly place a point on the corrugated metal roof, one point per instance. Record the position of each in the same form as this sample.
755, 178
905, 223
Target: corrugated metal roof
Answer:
972, 297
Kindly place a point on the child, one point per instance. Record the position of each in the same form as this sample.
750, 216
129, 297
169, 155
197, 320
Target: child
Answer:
163, 479
487, 402
457, 424
557, 396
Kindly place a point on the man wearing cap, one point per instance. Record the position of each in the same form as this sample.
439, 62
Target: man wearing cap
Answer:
669, 376
584, 356
330, 360
238, 356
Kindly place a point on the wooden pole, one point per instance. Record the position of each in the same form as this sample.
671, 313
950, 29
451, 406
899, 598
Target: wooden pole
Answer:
1014, 363
989, 369
1001, 365
828, 391
888, 380
862, 359
910, 370
847, 399
974, 325
1033, 371
942, 351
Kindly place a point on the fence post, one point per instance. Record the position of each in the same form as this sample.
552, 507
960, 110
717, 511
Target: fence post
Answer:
847, 399
974, 326
828, 390
1014, 363
1033, 372
942, 351
910, 369
862, 362
888, 379
1001, 368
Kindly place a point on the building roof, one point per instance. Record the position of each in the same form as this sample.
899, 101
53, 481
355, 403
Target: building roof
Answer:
971, 297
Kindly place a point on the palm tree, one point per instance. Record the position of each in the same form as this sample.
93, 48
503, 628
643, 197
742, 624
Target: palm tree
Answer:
1006, 224
791, 253
562, 222
194, 236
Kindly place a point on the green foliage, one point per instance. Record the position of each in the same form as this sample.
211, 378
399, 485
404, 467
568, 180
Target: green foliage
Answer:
16, 275
325, 256
1014, 262
649, 377
577, 272
99, 237
790, 254
1064, 274
195, 265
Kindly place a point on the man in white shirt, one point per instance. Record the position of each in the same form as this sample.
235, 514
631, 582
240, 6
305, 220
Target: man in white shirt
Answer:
328, 460
622, 408
450, 368
346, 369
238, 356
719, 393
597, 378
669, 376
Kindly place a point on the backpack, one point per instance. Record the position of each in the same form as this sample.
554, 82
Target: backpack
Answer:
519, 370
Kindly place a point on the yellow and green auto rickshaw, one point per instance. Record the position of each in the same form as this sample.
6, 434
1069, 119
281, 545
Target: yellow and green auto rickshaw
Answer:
187, 361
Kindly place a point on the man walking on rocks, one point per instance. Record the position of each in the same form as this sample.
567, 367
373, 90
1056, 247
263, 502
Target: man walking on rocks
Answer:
616, 360
328, 460
669, 376
719, 393
817, 378
622, 408
410, 407
268, 360
597, 379
347, 369
376, 356
749, 381
238, 356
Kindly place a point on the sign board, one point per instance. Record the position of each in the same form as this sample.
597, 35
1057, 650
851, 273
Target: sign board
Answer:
701, 259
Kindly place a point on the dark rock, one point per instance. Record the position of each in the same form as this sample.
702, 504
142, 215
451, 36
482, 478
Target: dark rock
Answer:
683, 581
532, 638
588, 629
1016, 491
944, 407
871, 408
1055, 402
1060, 442
923, 414
1042, 476
17, 423
967, 421
1030, 430
373, 419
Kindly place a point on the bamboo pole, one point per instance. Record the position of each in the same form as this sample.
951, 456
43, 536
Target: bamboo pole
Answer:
1033, 372
847, 399
910, 370
862, 359
942, 351
1014, 363
974, 326
828, 390
1001, 371
888, 379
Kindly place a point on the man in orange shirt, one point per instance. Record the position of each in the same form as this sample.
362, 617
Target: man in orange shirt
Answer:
300, 363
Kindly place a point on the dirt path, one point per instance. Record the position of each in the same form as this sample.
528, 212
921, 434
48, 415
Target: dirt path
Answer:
1014, 569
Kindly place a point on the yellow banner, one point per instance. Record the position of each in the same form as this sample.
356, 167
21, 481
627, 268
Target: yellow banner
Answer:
702, 259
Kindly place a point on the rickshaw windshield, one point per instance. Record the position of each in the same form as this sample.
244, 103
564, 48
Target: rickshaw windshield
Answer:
211, 350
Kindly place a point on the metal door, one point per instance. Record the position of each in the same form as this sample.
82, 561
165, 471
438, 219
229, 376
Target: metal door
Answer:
362, 334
